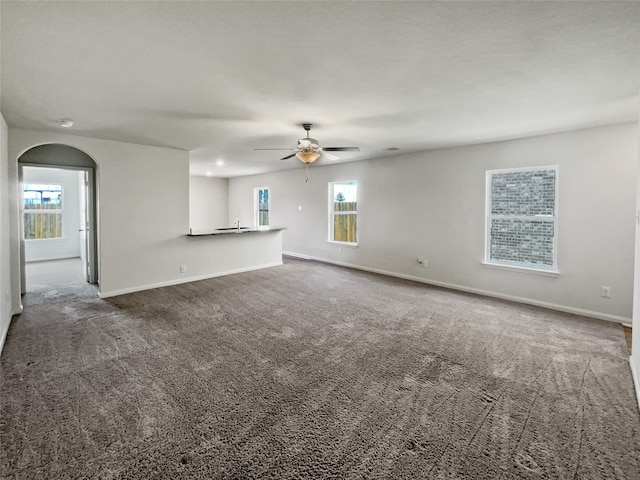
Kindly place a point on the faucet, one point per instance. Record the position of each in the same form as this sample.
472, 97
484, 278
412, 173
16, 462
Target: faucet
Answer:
238, 223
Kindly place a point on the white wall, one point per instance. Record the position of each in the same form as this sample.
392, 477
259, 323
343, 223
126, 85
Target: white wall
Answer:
208, 202
634, 360
6, 307
432, 205
143, 217
69, 245
143, 204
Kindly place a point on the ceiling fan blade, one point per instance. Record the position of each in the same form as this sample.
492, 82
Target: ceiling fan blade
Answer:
341, 149
288, 156
274, 148
330, 156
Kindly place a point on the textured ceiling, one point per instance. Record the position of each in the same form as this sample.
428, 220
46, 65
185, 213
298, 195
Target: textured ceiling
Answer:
222, 78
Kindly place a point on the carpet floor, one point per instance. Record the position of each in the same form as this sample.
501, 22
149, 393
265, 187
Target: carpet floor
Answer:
309, 370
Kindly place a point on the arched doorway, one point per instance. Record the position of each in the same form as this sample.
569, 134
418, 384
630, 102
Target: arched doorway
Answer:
67, 158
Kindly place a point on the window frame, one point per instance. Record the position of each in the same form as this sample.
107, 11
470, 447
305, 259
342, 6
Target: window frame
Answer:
59, 211
256, 206
332, 213
552, 270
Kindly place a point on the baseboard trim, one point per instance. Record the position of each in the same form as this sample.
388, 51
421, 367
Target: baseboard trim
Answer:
48, 259
3, 338
140, 288
477, 291
296, 255
636, 380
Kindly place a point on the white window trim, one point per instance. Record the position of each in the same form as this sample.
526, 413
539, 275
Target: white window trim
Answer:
256, 207
551, 271
343, 244
521, 269
330, 197
30, 212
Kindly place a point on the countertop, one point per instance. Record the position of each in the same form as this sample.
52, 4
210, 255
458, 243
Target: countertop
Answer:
232, 231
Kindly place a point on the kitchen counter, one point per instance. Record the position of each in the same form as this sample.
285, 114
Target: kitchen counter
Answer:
232, 231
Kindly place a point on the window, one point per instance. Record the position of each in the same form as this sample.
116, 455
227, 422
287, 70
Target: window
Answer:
42, 211
261, 206
343, 212
522, 217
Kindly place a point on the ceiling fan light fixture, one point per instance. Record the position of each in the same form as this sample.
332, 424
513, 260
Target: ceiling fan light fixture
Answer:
308, 156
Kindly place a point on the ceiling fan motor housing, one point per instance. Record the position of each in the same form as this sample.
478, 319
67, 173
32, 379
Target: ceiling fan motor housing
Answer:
308, 143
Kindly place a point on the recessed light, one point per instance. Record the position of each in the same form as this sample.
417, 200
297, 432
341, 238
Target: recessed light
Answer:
65, 123
220, 162
208, 173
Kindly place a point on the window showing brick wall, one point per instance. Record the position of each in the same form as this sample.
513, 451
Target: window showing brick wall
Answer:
521, 217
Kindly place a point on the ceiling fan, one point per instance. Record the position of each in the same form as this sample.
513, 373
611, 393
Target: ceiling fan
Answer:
308, 150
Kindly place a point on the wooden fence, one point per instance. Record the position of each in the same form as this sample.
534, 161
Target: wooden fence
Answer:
39, 225
344, 225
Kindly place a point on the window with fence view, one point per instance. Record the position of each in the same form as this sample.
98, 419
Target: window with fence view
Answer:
343, 207
42, 211
262, 206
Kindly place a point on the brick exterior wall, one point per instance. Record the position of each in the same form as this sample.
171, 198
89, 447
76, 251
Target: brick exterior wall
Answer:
514, 238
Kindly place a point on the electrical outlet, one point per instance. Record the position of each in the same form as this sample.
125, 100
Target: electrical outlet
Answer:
605, 292
423, 262
183, 269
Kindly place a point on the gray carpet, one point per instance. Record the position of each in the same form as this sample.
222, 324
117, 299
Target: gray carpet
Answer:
311, 371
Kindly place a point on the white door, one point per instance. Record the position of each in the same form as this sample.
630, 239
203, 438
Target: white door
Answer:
84, 192
91, 228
